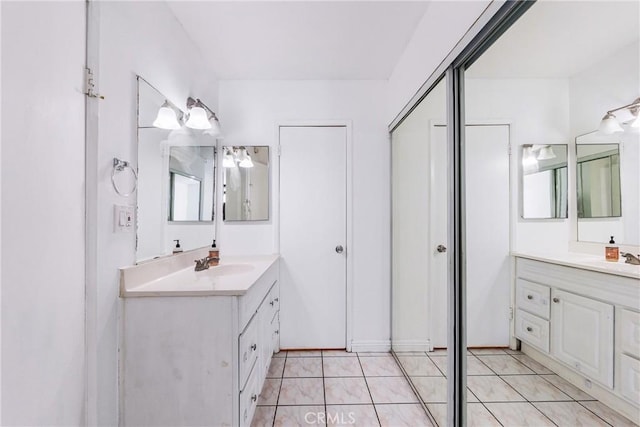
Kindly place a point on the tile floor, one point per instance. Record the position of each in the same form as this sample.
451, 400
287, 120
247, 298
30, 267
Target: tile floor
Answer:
329, 387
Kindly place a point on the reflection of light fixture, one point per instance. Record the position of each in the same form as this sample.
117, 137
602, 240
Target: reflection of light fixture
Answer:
610, 124
546, 153
166, 118
529, 161
245, 159
215, 129
228, 161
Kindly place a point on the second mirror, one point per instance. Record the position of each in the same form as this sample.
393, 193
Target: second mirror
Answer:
246, 183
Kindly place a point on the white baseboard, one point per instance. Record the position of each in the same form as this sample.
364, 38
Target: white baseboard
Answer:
383, 346
400, 346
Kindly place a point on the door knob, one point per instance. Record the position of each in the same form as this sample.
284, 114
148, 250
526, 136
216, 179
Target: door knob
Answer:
441, 248
339, 249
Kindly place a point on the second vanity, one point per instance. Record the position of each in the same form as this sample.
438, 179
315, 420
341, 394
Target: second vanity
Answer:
580, 316
197, 345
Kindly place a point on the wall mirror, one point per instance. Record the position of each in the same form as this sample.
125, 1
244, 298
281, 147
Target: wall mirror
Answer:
176, 183
607, 187
246, 183
598, 180
191, 183
544, 181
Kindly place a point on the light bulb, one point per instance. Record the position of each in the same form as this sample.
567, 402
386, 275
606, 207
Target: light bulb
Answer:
609, 124
228, 161
546, 153
245, 159
166, 118
198, 119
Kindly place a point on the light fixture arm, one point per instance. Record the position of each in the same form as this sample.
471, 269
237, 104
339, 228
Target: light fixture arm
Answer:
198, 103
634, 107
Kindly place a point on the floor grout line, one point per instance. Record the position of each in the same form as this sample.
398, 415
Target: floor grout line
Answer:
366, 383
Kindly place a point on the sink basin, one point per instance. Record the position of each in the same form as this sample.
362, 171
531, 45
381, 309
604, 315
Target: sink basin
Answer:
230, 269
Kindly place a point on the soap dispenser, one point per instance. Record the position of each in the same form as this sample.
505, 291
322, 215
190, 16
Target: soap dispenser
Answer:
612, 252
177, 249
214, 254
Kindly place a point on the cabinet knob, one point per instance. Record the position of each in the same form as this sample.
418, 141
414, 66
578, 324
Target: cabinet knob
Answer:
277, 299
556, 299
529, 329
339, 249
254, 397
271, 303
529, 296
254, 347
277, 331
441, 248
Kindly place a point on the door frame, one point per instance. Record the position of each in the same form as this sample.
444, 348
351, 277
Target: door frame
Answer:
348, 125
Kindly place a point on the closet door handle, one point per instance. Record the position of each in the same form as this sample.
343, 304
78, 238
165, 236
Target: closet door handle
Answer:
339, 249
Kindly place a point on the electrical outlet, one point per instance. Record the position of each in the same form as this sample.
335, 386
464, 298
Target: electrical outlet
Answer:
123, 218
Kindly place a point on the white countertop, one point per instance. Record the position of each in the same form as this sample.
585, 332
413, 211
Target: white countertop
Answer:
232, 277
586, 262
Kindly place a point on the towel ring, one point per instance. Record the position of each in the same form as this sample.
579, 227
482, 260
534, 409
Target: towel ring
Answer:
120, 166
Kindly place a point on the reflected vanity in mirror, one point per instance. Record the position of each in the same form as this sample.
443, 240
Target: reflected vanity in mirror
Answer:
246, 183
176, 182
607, 187
544, 181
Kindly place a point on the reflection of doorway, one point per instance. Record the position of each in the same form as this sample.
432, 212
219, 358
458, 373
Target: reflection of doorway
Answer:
313, 232
487, 236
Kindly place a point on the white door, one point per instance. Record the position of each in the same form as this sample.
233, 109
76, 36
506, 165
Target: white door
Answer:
487, 239
313, 237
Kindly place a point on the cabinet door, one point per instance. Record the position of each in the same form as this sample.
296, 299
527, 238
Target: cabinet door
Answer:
582, 335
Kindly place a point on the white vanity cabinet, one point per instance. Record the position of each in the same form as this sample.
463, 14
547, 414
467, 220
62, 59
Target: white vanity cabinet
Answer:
198, 360
584, 325
582, 334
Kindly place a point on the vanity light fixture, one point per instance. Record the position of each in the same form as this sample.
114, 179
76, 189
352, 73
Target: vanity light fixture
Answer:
610, 124
202, 117
245, 159
546, 153
529, 160
228, 160
167, 117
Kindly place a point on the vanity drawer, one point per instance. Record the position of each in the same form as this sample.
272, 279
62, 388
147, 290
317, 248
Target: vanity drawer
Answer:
630, 378
249, 399
248, 351
628, 324
532, 330
533, 298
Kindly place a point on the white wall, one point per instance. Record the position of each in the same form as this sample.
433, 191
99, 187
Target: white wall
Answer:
250, 112
538, 111
43, 163
135, 38
607, 84
441, 28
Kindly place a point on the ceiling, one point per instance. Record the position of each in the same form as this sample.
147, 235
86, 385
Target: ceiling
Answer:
557, 39
292, 40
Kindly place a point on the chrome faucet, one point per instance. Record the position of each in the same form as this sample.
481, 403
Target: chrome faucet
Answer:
631, 259
202, 264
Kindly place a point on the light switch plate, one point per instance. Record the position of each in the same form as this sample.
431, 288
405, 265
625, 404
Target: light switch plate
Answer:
123, 218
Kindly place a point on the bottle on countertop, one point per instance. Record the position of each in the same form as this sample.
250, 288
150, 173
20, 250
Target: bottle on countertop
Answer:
612, 252
177, 249
214, 254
